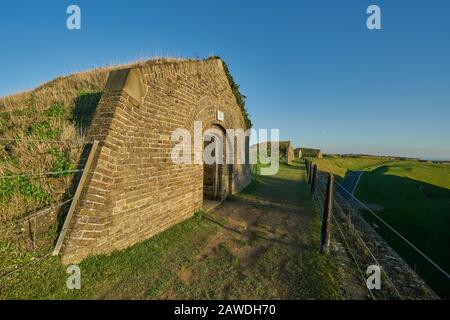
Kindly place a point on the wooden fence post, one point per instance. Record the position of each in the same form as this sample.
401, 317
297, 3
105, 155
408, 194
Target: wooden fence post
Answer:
326, 221
313, 179
307, 169
310, 167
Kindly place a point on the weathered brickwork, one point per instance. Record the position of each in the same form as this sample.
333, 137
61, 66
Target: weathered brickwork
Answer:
134, 189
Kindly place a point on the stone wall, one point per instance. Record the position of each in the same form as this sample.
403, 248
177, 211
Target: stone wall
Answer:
134, 189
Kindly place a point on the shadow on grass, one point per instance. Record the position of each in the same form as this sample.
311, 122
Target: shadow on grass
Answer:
73, 186
85, 105
279, 189
420, 212
251, 235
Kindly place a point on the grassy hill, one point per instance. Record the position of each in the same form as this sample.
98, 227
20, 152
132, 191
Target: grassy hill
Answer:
340, 165
42, 131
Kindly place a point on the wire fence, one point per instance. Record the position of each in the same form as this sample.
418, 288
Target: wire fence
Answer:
34, 215
394, 231
366, 246
65, 142
32, 206
355, 245
27, 240
41, 174
319, 196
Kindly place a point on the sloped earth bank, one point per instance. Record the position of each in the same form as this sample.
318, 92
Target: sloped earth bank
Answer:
266, 247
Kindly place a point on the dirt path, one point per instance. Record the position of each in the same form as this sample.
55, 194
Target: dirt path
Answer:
265, 248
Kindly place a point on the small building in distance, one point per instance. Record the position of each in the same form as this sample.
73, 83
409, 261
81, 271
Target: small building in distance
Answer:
298, 153
286, 151
311, 153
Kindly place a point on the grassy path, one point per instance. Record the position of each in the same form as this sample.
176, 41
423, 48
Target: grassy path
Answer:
260, 244
265, 247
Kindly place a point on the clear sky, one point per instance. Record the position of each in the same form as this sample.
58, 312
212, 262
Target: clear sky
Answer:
310, 68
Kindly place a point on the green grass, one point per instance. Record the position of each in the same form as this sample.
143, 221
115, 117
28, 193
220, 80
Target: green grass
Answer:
278, 272
414, 199
56, 110
305, 273
42, 131
340, 165
26, 187
141, 271
61, 163
287, 186
39, 153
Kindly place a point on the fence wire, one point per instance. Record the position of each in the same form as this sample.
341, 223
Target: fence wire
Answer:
356, 233
66, 142
338, 211
320, 197
40, 174
35, 214
409, 243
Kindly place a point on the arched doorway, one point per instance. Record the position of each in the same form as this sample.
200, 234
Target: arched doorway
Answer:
215, 169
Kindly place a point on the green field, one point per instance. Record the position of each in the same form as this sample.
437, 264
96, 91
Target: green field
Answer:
414, 198
340, 165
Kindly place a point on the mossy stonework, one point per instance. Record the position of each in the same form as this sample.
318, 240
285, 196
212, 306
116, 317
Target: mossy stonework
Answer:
133, 189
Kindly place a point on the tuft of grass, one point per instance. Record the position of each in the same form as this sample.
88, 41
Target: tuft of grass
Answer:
55, 110
26, 187
42, 131
198, 215
61, 163
10, 160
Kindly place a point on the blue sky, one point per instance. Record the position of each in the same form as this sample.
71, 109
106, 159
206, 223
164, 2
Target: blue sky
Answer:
310, 68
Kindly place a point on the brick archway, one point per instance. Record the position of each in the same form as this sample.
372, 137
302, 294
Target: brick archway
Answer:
216, 174
134, 189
